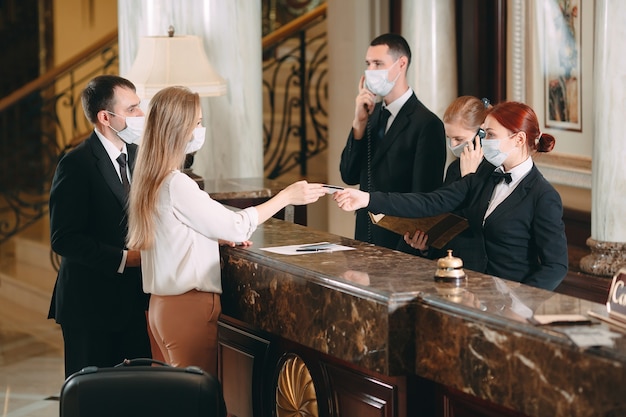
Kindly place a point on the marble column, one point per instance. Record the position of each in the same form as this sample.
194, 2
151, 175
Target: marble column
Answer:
608, 196
430, 30
231, 33
428, 26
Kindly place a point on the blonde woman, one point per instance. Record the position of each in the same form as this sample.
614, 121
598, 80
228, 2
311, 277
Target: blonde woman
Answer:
178, 227
462, 122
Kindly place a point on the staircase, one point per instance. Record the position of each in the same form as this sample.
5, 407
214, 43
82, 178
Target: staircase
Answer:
295, 95
26, 283
278, 117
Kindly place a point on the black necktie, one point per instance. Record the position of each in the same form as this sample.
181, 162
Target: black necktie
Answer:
382, 124
122, 161
498, 176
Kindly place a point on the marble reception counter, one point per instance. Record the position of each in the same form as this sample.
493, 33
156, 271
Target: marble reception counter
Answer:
380, 314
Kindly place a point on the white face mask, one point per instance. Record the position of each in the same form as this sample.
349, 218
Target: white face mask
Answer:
199, 134
377, 81
133, 131
492, 152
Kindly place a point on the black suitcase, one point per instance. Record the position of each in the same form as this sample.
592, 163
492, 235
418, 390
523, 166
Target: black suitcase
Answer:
135, 388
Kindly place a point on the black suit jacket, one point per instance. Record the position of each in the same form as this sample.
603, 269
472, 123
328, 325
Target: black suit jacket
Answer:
523, 239
411, 158
88, 227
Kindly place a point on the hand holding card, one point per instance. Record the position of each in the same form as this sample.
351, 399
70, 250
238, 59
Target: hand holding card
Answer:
330, 189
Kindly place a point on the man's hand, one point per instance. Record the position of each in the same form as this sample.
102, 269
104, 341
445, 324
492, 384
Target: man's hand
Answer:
365, 102
350, 199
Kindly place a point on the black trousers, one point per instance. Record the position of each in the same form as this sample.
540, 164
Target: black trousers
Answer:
90, 346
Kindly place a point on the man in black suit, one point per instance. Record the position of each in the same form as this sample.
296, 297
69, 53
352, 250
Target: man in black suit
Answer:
402, 152
98, 298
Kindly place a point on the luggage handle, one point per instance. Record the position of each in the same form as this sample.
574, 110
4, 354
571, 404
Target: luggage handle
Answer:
150, 362
141, 362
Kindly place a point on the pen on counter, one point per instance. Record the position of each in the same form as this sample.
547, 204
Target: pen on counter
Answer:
314, 250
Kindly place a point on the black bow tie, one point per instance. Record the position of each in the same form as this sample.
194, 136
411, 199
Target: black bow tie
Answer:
498, 176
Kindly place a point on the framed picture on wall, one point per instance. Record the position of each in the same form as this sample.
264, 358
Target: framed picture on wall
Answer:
562, 64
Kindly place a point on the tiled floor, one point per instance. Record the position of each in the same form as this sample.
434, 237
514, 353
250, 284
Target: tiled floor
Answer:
31, 369
31, 346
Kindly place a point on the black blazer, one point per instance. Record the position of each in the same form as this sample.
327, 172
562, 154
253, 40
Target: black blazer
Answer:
411, 158
88, 227
523, 239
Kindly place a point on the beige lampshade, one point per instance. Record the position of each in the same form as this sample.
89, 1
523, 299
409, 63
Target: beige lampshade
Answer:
163, 61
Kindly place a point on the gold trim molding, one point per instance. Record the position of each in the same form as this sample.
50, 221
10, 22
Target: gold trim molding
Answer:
295, 390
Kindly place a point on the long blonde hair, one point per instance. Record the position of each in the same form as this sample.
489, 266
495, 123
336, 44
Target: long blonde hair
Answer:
172, 116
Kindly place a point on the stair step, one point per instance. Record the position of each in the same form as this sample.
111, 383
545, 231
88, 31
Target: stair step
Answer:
27, 285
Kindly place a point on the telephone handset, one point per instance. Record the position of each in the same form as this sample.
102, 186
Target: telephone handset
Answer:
481, 134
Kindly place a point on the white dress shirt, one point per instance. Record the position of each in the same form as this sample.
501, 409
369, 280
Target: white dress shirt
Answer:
503, 190
185, 254
113, 153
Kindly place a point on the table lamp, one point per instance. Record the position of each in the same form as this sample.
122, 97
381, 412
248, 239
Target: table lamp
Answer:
164, 61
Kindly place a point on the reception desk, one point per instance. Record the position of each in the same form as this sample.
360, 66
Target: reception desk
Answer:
368, 332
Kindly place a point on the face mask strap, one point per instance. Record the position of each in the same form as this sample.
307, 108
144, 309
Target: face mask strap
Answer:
115, 114
111, 126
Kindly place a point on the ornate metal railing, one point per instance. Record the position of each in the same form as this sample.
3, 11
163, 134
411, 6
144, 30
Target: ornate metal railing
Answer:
39, 123
295, 93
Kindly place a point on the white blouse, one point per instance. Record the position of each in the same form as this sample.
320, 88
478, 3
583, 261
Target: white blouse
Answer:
185, 254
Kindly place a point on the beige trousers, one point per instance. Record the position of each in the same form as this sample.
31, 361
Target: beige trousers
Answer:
185, 328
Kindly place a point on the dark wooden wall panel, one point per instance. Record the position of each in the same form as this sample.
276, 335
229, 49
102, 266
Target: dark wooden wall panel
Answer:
481, 48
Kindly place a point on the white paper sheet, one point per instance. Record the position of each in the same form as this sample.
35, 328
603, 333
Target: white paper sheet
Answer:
307, 248
587, 336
